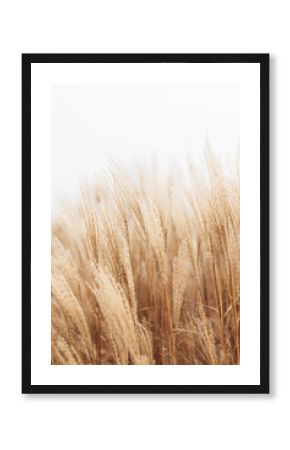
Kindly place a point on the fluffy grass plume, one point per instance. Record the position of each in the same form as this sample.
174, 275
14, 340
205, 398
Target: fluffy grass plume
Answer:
145, 270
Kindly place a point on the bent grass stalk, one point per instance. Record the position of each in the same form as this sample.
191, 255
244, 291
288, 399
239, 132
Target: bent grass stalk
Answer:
148, 273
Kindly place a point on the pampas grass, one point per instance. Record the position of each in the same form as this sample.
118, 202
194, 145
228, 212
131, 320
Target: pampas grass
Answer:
145, 270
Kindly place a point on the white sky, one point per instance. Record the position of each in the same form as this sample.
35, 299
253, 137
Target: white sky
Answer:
133, 122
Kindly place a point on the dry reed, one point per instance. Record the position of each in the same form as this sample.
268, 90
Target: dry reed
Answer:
147, 272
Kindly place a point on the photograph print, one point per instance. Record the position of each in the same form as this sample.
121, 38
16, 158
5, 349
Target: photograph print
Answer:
145, 223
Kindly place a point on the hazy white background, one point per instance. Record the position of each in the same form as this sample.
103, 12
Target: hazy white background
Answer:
58, 422
136, 123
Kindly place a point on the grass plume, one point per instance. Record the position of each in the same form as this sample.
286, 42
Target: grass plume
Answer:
147, 271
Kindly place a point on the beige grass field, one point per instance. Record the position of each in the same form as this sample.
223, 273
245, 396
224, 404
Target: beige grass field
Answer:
145, 269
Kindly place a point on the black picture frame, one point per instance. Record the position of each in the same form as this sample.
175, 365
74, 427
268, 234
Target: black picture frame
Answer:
263, 60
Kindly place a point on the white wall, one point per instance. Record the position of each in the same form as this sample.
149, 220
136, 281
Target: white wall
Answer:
61, 422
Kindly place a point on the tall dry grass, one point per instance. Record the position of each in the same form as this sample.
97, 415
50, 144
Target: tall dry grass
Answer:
146, 271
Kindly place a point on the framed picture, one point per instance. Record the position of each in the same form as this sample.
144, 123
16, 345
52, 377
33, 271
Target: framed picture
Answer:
145, 231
